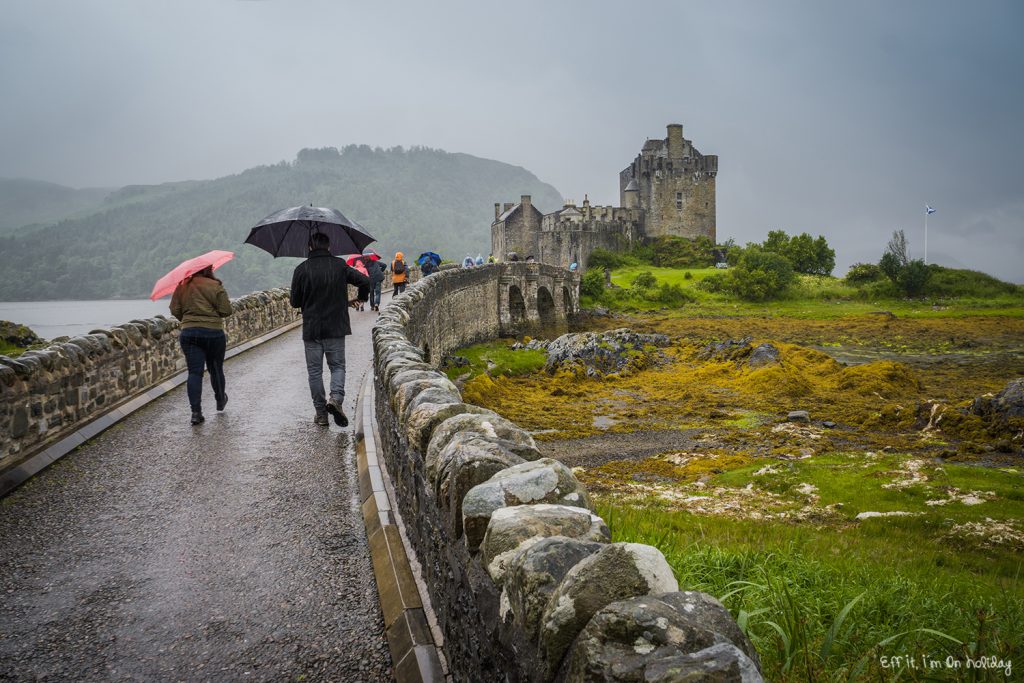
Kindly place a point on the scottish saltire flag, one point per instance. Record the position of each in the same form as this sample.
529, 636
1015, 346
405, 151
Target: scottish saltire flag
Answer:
928, 209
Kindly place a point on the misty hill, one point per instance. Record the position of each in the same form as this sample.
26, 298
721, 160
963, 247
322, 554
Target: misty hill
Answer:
34, 202
410, 200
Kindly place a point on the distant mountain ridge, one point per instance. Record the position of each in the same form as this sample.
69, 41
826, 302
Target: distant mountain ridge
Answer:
411, 200
36, 202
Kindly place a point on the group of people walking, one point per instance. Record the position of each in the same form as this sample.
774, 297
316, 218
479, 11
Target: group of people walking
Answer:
320, 289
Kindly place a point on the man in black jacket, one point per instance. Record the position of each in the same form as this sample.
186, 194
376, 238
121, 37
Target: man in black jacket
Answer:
320, 289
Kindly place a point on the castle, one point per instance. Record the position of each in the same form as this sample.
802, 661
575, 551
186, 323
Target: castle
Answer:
669, 189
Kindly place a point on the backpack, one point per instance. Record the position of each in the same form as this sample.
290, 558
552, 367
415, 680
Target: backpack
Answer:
399, 267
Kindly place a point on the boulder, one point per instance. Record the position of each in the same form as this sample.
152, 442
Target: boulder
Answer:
18, 335
534, 574
541, 481
801, 416
614, 351
616, 572
730, 349
1008, 403
763, 355
625, 638
512, 529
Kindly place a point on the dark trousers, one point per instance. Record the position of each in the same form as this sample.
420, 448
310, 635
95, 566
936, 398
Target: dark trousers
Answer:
399, 288
375, 294
203, 347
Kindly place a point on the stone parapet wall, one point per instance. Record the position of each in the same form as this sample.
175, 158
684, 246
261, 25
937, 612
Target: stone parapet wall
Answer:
46, 394
522, 574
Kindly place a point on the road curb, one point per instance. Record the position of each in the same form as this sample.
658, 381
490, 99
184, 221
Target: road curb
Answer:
24, 470
414, 653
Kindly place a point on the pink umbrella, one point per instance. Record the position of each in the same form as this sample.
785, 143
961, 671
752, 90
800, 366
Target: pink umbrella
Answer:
356, 261
167, 284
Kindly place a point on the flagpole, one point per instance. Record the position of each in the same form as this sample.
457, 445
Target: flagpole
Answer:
926, 237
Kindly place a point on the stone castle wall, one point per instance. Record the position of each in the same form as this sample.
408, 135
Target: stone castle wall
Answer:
523, 576
49, 393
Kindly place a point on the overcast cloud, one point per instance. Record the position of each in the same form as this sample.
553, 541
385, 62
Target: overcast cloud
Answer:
840, 119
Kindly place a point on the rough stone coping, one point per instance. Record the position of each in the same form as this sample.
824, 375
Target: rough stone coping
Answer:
414, 654
47, 454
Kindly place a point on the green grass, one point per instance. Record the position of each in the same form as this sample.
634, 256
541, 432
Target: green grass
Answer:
496, 358
813, 297
788, 584
921, 590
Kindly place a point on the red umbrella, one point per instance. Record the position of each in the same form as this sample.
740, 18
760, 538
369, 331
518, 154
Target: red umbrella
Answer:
352, 259
167, 284
356, 261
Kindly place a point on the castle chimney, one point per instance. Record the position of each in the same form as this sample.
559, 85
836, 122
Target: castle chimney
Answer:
508, 205
497, 210
675, 141
525, 201
586, 208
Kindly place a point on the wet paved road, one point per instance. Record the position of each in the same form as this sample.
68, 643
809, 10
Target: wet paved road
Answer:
230, 551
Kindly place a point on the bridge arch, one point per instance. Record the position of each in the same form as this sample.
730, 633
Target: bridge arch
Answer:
516, 306
546, 308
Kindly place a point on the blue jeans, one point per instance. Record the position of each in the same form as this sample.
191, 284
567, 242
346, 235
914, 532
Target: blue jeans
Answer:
203, 347
334, 350
375, 294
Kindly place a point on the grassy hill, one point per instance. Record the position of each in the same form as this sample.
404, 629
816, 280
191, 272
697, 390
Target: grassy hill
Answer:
34, 202
410, 200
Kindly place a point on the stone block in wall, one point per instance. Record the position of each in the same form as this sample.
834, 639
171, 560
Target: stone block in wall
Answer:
469, 460
514, 529
412, 392
542, 481
533, 575
485, 423
421, 422
615, 572
625, 638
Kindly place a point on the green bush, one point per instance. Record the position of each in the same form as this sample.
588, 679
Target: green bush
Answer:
861, 273
673, 295
687, 275
761, 275
681, 252
603, 258
645, 280
717, 283
592, 284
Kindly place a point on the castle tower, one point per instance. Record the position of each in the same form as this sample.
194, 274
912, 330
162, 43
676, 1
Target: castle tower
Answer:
674, 185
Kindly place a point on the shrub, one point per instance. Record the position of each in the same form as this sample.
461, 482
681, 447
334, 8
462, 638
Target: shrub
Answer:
673, 295
716, 283
761, 275
957, 282
681, 252
909, 276
592, 284
645, 280
861, 273
603, 258
687, 275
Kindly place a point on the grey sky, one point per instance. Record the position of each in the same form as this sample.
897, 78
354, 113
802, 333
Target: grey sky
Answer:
835, 118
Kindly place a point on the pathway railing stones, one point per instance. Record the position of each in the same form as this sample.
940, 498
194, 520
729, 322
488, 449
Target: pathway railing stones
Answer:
523, 576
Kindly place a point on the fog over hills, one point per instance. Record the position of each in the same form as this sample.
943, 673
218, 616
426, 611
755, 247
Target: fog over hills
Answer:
116, 244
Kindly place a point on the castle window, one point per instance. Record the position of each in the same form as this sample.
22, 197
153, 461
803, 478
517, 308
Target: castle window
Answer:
679, 200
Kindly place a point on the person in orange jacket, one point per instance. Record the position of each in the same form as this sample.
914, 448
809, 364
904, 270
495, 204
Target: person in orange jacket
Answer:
399, 273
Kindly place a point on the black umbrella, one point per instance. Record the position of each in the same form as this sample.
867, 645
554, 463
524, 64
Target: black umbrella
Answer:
286, 232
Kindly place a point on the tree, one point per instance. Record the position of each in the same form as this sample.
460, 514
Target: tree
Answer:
808, 255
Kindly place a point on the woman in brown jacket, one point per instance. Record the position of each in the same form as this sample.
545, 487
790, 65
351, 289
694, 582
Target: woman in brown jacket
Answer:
201, 304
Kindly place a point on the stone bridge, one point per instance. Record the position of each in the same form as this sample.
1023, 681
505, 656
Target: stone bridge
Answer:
252, 547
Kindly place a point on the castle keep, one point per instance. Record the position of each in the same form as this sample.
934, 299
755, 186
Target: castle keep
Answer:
669, 189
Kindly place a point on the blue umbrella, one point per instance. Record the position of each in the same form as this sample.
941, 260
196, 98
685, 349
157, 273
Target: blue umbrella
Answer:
429, 255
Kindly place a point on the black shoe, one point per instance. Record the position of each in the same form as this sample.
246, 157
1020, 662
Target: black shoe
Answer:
339, 415
321, 418
197, 417
222, 401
